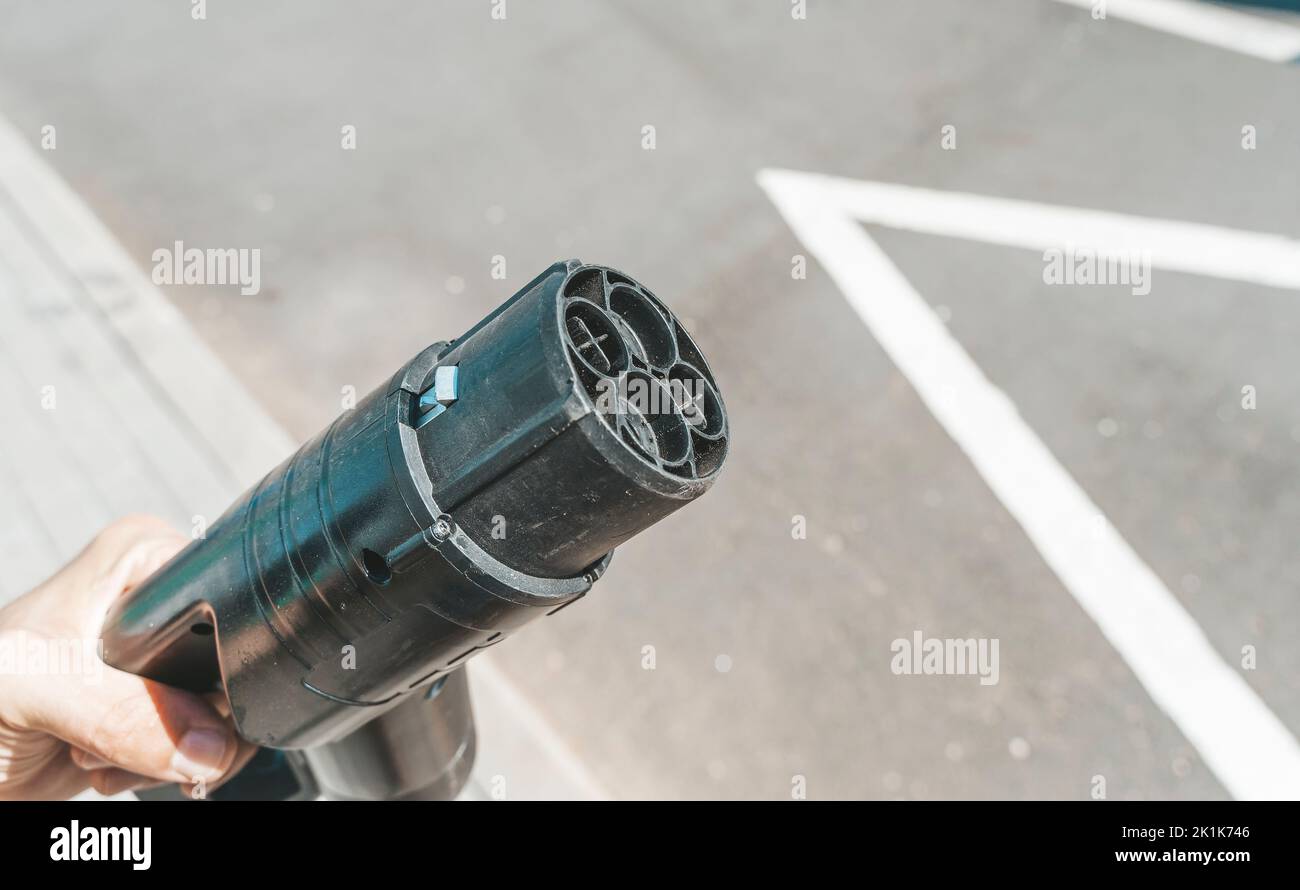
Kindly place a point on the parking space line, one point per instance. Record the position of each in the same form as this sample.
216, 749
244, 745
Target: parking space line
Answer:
1225, 28
1240, 739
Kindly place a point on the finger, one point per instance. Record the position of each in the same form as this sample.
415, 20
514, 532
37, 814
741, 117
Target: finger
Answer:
141, 552
72, 601
116, 537
247, 750
109, 782
86, 760
199, 791
135, 724
107, 547
219, 701
44, 773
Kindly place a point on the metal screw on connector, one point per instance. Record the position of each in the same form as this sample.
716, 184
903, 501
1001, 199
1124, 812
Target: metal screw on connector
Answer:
356, 523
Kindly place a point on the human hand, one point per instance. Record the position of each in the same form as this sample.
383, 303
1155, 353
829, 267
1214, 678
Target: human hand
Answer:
63, 731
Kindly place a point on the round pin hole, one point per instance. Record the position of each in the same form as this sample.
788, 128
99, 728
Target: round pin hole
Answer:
594, 338
697, 399
201, 629
672, 436
653, 420
376, 567
646, 324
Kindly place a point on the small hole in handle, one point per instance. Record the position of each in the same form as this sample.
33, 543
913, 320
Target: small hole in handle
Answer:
201, 629
376, 567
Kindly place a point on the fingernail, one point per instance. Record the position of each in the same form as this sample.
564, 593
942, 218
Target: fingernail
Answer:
199, 754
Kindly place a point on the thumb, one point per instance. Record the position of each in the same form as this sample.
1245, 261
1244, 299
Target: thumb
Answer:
130, 722
138, 725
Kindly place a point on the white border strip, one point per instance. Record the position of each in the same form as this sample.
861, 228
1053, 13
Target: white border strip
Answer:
1241, 740
518, 744
242, 438
1225, 28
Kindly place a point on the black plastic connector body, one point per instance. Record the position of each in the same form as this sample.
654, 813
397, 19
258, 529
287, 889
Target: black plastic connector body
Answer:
484, 486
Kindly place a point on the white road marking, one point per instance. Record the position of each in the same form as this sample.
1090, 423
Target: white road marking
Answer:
1240, 32
242, 441
1233, 254
1240, 739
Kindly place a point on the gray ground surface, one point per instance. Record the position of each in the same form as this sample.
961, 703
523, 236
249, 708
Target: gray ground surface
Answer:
523, 138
